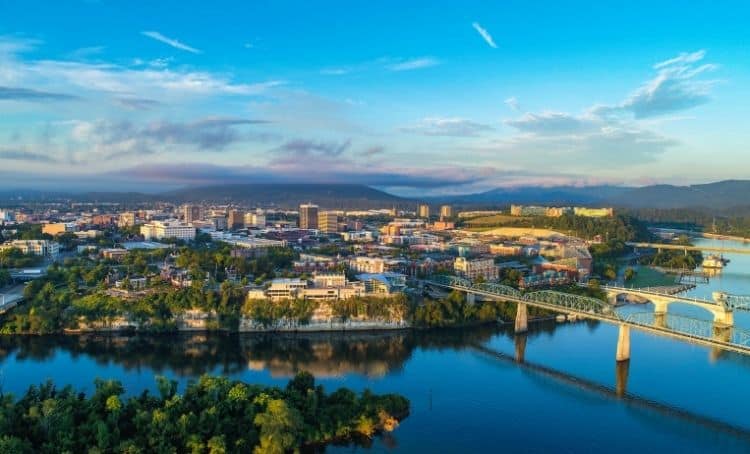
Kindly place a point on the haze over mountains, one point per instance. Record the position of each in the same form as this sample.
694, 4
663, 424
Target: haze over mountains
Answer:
721, 195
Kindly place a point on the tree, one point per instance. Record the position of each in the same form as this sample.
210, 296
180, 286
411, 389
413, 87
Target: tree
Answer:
279, 426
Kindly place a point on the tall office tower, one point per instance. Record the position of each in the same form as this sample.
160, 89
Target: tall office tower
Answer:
446, 211
308, 216
191, 213
328, 222
235, 220
424, 211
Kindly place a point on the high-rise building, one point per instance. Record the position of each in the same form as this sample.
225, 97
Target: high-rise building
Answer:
446, 211
308, 216
235, 220
7, 215
424, 211
127, 219
191, 213
257, 219
328, 222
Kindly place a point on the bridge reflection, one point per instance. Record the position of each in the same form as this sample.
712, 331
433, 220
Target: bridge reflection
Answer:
619, 391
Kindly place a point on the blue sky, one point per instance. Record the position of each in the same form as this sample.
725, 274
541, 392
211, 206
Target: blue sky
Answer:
414, 97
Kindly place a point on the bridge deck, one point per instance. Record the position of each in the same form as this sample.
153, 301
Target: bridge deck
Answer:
679, 247
584, 307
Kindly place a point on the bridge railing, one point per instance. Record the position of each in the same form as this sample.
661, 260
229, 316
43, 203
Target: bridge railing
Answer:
568, 301
648, 291
694, 327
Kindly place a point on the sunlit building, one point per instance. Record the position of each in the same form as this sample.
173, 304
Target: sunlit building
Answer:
308, 216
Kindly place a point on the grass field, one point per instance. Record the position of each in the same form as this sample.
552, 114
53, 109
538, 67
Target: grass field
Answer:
494, 220
647, 277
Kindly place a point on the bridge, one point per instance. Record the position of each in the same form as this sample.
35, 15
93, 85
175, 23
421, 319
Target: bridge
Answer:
10, 298
686, 248
738, 302
723, 314
721, 333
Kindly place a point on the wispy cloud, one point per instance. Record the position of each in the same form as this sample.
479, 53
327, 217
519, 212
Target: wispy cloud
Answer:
170, 41
28, 156
452, 127
484, 34
513, 103
675, 87
413, 63
335, 71
28, 94
108, 140
138, 103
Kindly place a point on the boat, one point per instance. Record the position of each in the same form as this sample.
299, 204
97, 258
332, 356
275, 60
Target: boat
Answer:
714, 262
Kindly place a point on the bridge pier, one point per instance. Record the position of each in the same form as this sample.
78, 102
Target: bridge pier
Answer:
522, 318
520, 343
660, 319
623, 344
622, 370
722, 332
724, 318
471, 298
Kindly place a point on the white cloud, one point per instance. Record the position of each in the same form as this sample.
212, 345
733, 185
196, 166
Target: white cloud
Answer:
554, 123
452, 127
484, 34
683, 58
513, 103
675, 87
170, 41
414, 63
335, 71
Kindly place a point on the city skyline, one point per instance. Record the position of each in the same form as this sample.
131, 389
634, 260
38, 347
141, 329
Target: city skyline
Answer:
414, 99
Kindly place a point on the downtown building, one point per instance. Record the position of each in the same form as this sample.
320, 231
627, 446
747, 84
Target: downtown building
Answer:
235, 220
191, 213
308, 216
159, 230
328, 222
475, 268
42, 248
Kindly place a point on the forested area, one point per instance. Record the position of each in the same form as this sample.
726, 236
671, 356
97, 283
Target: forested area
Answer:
734, 222
75, 290
214, 415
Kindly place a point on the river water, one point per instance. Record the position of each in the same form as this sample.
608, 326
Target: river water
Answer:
467, 390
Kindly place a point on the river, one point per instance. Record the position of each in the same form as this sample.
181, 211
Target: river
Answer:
467, 391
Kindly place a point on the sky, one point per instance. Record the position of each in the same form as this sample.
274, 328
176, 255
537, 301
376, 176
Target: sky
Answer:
412, 97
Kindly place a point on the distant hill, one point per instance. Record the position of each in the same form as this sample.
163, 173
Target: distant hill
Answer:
334, 196
530, 195
717, 196
721, 195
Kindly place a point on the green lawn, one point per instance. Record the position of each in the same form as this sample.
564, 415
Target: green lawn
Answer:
647, 277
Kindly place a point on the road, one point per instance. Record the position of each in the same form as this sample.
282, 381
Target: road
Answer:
10, 296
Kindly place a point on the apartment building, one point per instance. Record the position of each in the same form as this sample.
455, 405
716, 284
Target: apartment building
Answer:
475, 268
43, 248
173, 228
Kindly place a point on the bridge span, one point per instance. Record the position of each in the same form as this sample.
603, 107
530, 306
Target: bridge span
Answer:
686, 248
721, 333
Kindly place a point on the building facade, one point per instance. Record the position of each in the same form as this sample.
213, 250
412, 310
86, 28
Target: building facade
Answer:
308, 216
43, 248
58, 228
423, 211
235, 220
328, 222
476, 268
160, 230
191, 213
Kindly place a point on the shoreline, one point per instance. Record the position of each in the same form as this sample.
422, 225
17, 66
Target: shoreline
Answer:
374, 328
